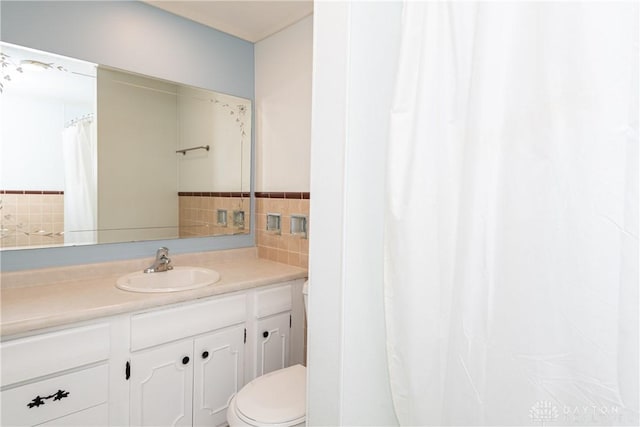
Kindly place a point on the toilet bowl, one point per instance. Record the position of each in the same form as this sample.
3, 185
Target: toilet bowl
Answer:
276, 399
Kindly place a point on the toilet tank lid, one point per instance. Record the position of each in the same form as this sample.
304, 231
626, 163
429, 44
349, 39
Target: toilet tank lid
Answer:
275, 398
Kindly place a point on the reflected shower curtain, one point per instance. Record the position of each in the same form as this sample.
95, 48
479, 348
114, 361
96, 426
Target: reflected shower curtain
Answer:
511, 230
81, 182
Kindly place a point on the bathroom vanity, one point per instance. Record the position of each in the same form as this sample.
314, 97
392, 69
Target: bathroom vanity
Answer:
113, 357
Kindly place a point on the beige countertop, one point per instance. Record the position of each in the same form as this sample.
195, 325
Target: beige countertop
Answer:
37, 299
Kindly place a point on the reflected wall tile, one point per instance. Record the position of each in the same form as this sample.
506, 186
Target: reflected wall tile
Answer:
22, 207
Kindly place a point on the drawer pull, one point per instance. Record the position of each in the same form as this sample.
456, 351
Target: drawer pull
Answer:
40, 400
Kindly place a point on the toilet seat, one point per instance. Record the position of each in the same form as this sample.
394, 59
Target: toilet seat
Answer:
274, 399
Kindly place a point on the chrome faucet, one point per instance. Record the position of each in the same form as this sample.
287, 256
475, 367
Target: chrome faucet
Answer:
162, 262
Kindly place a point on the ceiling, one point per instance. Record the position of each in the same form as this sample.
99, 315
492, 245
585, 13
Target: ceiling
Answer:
251, 20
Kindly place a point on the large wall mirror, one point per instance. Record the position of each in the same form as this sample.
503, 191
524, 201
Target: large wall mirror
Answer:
93, 155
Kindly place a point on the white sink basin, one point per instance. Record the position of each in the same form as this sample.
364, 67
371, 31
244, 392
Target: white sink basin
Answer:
178, 279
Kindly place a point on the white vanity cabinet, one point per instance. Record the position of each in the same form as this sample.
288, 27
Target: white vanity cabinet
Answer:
173, 365
184, 382
57, 378
274, 321
273, 343
218, 374
189, 382
161, 385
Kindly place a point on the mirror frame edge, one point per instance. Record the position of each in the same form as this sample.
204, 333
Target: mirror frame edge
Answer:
64, 256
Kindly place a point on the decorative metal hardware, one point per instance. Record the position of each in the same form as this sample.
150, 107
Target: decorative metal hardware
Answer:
40, 400
127, 371
184, 150
265, 334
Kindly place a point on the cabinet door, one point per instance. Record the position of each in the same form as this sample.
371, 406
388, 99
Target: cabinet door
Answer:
162, 384
218, 374
273, 343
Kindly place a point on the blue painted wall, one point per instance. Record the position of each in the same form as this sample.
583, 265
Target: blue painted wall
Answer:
133, 36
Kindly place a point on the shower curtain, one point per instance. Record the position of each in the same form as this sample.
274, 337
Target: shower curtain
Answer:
511, 229
81, 182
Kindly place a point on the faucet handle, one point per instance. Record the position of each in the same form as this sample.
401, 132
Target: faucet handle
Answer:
163, 256
167, 262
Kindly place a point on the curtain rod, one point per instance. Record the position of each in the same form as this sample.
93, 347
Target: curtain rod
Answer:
79, 119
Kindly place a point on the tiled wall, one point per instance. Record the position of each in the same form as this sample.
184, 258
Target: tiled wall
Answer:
38, 220
198, 213
284, 247
34, 218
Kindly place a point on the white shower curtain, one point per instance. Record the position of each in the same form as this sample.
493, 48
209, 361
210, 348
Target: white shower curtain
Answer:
80, 172
511, 230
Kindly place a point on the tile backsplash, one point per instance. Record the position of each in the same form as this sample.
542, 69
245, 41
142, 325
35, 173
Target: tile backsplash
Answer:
283, 247
38, 220
31, 218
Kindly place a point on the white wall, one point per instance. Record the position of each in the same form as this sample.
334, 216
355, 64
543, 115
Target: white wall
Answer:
137, 168
217, 120
35, 108
283, 69
355, 44
32, 143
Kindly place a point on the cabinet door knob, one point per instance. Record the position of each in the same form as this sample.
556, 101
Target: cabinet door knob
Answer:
185, 360
205, 354
265, 334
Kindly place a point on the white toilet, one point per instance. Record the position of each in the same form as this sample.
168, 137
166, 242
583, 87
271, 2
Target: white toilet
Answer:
276, 399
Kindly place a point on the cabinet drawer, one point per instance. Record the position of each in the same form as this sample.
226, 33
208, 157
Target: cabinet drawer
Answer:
97, 416
157, 327
27, 358
56, 397
273, 301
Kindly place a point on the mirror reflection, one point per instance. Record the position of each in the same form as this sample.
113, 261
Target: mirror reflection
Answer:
97, 155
